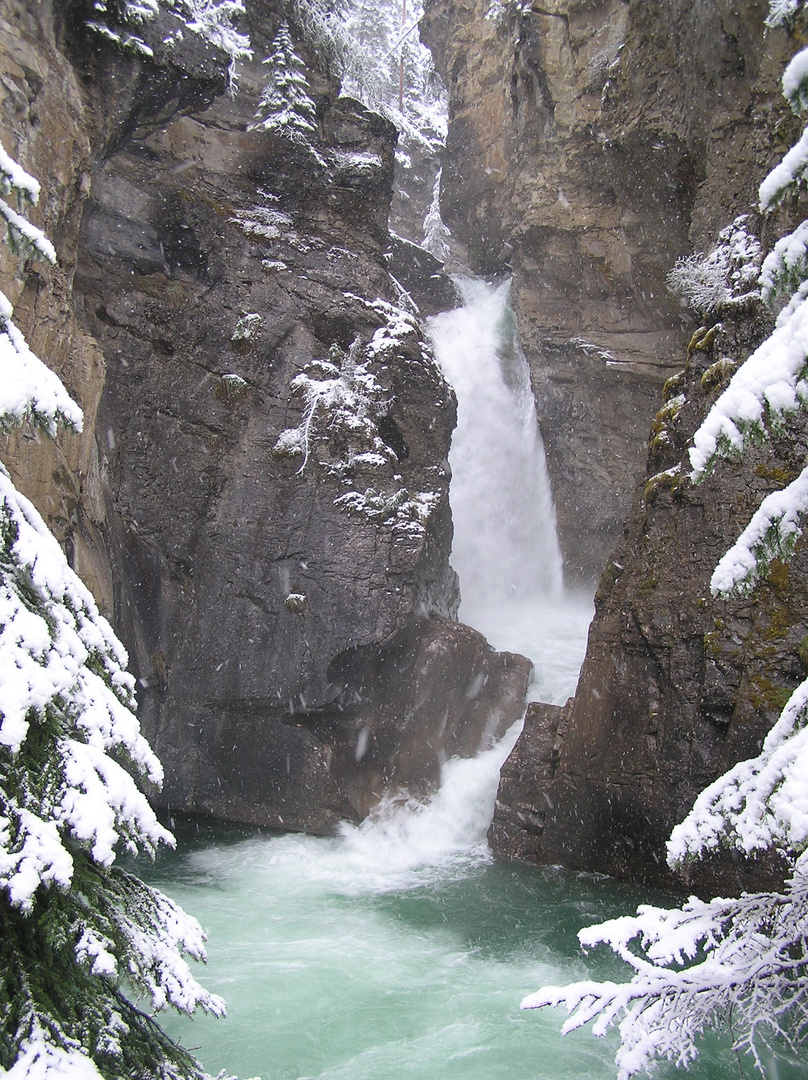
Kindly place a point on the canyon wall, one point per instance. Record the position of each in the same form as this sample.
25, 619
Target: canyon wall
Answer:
259, 496
677, 685
591, 143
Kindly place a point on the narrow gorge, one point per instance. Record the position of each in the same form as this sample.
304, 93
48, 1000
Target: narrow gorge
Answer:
391, 350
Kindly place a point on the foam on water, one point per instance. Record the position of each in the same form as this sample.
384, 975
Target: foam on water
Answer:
337, 962
405, 842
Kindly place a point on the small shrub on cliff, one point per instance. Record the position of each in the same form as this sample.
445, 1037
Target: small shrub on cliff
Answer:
739, 963
726, 277
80, 939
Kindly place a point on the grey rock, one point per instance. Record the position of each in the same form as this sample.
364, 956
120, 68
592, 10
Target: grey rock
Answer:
204, 268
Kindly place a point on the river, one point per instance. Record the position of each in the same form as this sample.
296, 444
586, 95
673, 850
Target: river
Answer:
402, 948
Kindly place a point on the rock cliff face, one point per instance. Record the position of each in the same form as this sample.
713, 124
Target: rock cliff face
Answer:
259, 498
591, 144
44, 119
676, 686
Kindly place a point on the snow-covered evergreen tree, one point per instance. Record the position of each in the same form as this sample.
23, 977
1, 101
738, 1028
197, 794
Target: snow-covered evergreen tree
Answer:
85, 947
375, 50
285, 107
739, 963
435, 232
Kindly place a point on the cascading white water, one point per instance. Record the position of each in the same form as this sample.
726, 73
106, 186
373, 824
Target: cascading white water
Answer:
505, 522
505, 538
406, 837
506, 550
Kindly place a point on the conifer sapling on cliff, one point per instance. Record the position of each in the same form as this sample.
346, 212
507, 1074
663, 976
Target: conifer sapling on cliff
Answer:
285, 107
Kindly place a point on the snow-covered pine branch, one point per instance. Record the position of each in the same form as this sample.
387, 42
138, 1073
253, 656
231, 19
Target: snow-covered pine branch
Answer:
772, 381
768, 385
699, 965
784, 273
760, 803
28, 389
23, 237
771, 534
74, 928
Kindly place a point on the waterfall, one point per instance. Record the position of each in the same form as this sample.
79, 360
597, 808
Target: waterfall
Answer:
505, 550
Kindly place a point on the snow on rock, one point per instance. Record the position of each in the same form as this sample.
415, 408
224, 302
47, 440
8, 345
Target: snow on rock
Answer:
345, 398
246, 330
356, 160
404, 513
263, 222
781, 11
212, 20
435, 231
